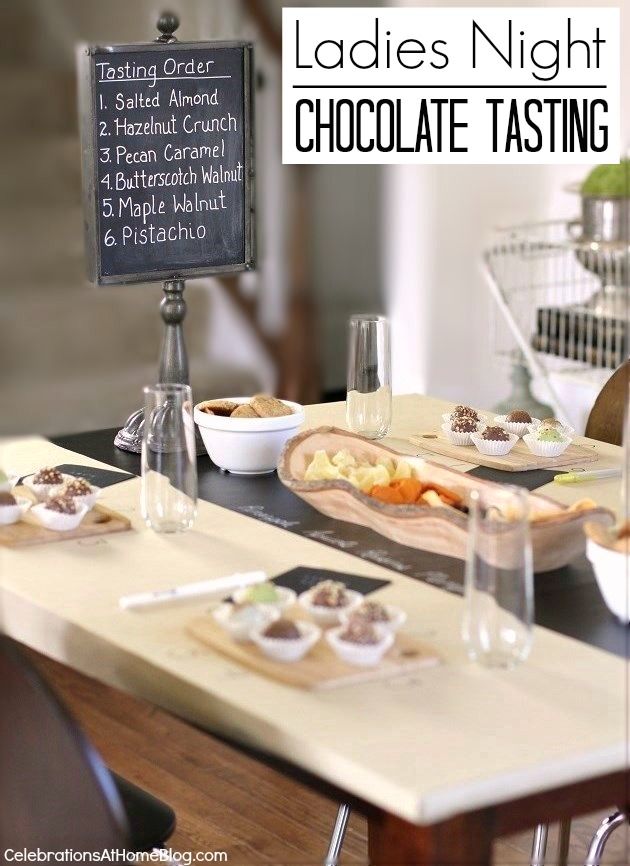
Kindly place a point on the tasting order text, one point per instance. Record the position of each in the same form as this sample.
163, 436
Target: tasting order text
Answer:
170, 157
458, 85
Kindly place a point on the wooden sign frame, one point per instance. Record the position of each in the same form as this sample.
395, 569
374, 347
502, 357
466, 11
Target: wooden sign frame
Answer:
89, 151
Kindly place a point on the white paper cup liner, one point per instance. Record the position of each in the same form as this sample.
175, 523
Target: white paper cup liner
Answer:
492, 448
56, 521
545, 449
517, 428
456, 438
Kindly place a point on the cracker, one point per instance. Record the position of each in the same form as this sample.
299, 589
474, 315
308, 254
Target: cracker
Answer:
266, 406
245, 410
223, 408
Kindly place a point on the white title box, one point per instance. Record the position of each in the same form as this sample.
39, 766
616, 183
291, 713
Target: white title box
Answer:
458, 85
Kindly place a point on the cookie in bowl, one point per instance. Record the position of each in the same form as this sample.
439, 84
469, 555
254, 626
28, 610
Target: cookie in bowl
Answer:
245, 436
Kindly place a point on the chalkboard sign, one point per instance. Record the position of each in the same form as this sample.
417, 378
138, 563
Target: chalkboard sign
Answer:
167, 160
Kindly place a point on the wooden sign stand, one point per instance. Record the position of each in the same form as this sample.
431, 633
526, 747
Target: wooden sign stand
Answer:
174, 357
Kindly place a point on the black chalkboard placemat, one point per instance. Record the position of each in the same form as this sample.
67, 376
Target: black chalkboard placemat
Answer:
300, 579
94, 475
531, 479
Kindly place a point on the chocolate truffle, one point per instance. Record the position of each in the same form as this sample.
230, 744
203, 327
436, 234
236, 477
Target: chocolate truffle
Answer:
465, 412
495, 434
464, 424
283, 629
62, 504
359, 631
519, 416
551, 422
76, 487
371, 611
47, 475
7, 499
330, 593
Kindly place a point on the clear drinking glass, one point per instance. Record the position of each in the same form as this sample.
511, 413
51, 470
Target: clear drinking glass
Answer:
499, 598
169, 459
369, 395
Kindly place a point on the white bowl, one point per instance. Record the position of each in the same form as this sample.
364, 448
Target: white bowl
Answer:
612, 570
286, 597
247, 446
361, 655
519, 428
240, 630
492, 447
328, 616
287, 650
56, 521
397, 618
545, 449
12, 513
456, 438
44, 491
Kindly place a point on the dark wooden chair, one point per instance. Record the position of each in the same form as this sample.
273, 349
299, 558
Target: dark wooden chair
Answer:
605, 423
55, 791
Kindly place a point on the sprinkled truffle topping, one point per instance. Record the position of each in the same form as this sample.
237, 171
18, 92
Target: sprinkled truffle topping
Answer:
359, 631
330, 593
7, 499
370, 611
47, 475
463, 424
495, 434
76, 487
551, 422
62, 504
283, 629
465, 412
519, 416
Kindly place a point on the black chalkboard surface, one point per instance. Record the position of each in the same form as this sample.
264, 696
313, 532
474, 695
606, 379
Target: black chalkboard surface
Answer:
167, 160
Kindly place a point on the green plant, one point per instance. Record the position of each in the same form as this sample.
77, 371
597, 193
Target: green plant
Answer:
608, 181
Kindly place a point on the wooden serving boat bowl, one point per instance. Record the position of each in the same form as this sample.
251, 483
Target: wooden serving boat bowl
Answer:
556, 540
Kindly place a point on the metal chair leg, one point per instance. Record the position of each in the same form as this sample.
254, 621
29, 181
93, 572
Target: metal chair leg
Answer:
337, 837
563, 842
602, 834
539, 845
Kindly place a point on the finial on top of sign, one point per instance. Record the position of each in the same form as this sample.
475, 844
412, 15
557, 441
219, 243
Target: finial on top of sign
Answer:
167, 24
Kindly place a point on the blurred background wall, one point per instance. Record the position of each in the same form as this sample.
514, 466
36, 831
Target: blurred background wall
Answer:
333, 240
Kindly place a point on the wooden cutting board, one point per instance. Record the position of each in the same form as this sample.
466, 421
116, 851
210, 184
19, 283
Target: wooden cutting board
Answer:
28, 531
520, 458
320, 668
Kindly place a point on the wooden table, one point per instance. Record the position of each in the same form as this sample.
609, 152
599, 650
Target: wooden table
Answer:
442, 762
